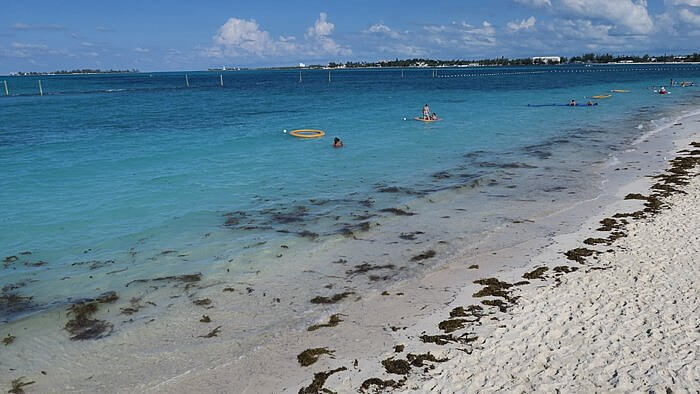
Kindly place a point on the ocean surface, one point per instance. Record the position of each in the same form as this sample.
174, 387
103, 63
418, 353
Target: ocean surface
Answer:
107, 179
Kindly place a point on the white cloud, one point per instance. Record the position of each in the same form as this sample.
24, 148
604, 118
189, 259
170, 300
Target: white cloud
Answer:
21, 45
692, 3
322, 28
320, 33
689, 17
381, 28
633, 16
535, 3
245, 35
241, 37
525, 24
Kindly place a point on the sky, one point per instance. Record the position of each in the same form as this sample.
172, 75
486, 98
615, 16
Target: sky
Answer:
159, 35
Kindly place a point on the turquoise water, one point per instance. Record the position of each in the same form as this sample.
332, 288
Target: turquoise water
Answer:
108, 172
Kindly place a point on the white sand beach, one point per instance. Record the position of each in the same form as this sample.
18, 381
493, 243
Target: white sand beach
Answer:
627, 322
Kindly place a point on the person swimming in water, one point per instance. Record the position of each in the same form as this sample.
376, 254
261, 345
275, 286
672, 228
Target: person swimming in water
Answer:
662, 90
572, 103
589, 103
434, 116
337, 143
426, 112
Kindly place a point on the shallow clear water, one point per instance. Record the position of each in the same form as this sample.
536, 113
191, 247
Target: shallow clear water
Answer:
110, 172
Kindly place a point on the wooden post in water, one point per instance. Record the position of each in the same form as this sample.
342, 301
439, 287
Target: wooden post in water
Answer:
41, 91
221, 78
7, 92
187, 81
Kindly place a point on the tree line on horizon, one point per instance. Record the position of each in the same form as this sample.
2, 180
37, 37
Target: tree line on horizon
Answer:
77, 71
503, 61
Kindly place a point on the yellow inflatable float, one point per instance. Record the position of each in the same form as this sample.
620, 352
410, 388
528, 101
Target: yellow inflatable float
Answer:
307, 133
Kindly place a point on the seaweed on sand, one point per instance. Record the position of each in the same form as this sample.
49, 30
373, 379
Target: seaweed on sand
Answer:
212, 333
424, 256
18, 384
381, 384
418, 360
452, 325
410, 236
82, 327
333, 321
564, 269
331, 300
202, 302
205, 319
397, 211
310, 356
9, 339
502, 306
494, 288
398, 367
366, 267
579, 254
448, 338
536, 274
319, 380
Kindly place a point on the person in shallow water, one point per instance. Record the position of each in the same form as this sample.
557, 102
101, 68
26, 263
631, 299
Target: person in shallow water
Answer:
572, 103
589, 103
426, 112
337, 143
433, 116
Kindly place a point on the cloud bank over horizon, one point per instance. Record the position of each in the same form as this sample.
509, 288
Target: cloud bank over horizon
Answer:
527, 28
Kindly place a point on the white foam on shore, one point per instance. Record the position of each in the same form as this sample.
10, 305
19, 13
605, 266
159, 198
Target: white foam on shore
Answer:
663, 124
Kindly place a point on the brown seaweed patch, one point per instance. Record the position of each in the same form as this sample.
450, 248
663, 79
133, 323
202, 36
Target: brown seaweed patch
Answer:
310, 356
331, 300
474, 267
609, 224
579, 254
381, 384
333, 321
397, 211
448, 338
18, 384
366, 267
205, 319
418, 360
189, 278
502, 306
8, 339
452, 325
398, 348
595, 241
213, 333
398, 367
319, 380
494, 288
564, 269
536, 274
11, 303
424, 256
202, 302
82, 327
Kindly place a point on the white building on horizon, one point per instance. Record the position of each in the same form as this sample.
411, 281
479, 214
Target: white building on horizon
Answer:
546, 59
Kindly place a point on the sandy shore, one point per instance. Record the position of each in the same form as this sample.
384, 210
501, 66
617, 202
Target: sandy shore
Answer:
628, 321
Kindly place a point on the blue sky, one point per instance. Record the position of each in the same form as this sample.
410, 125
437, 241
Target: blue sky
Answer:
172, 35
